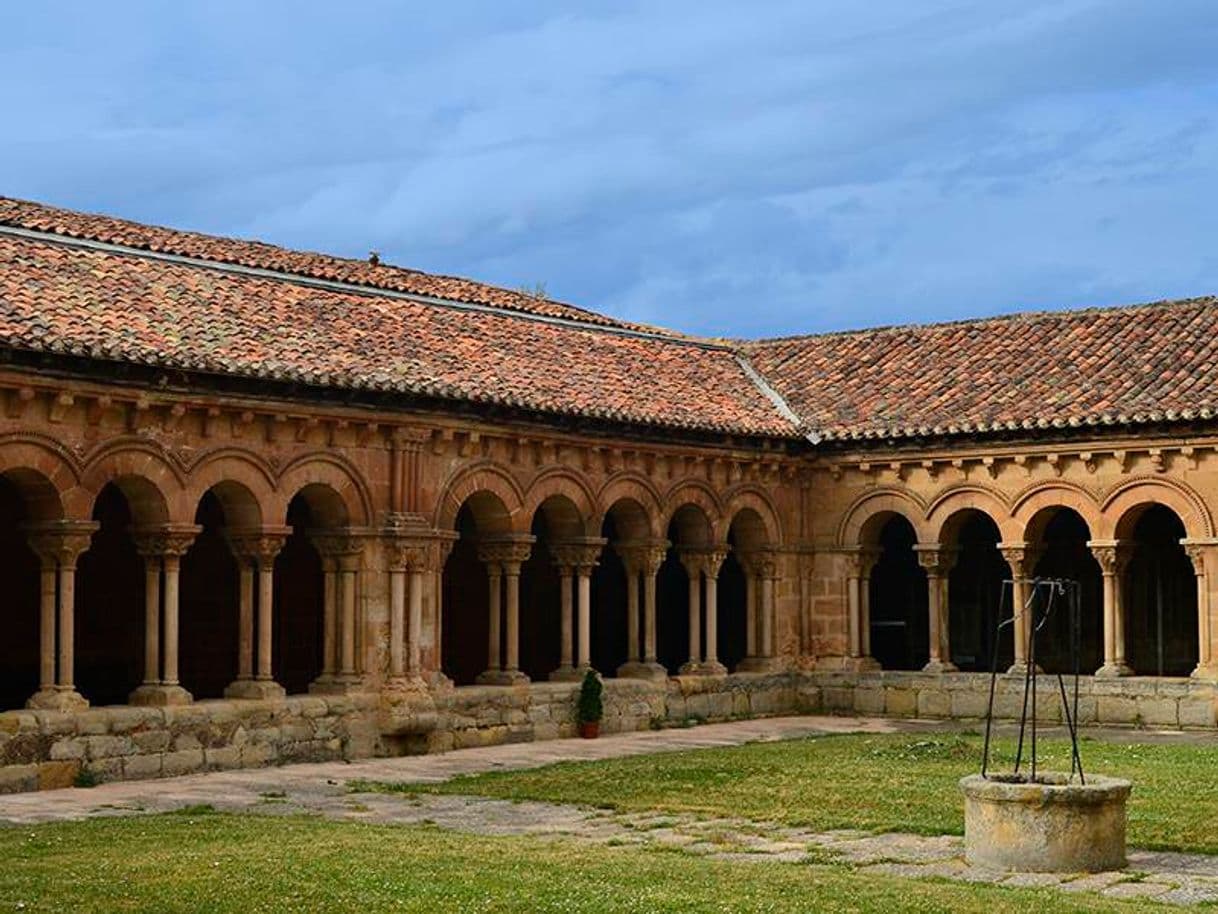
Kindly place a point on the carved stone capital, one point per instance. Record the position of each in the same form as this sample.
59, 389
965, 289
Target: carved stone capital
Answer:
643, 556
508, 553
1196, 550
170, 540
762, 563
860, 560
411, 555
258, 545
937, 559
703, 560
581, 555
61, 542
1112, 555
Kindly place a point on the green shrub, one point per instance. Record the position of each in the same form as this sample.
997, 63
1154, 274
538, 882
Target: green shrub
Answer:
591, 706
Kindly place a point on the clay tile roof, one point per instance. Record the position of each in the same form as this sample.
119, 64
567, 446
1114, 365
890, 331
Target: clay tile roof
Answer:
125, 304
1103, 366
257, 254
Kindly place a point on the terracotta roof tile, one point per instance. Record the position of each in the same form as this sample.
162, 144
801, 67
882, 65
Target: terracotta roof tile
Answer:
1102, 366
70, 224
61, 297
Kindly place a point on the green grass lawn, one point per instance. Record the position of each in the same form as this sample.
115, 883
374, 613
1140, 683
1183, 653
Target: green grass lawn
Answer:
899, 782
211, 862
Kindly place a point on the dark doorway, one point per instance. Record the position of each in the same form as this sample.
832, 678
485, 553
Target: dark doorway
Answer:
207, 655
1066, 555
975, 593
609, 606
900, 627
1160, 598
109, 635
465, 605
299, 605
19, 649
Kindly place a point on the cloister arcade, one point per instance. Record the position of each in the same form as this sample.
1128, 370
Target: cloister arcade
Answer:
929, 583
163, 588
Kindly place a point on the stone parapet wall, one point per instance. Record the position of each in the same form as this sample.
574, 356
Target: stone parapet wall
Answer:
49, 749
1167, 703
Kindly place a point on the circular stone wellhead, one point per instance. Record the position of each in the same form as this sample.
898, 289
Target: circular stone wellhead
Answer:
1052, 825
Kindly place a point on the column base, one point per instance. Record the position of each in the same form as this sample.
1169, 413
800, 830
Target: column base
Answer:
502, 678
1020, 669
336, 685
438, 680
940, 666
1113, 671
639, 669
566, 674
408, 683
159, 695
1207, 672
57, 700
266, 689
699, 668
862, 664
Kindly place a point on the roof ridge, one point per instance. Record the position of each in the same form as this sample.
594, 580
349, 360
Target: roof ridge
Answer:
1067, 314
43, 212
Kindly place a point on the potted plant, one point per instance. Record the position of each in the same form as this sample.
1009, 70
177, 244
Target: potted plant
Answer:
591, 708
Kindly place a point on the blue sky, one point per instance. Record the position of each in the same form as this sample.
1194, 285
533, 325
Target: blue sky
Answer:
726, 168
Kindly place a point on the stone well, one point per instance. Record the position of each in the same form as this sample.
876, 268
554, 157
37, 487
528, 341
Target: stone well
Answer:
1048, 826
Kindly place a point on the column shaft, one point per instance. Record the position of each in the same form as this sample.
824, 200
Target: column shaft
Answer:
767, 616
584, 577
566, 623
649, 615
495, 638
67, 626
347, 615
632, 615
695, 617
329, 617
414, 631
712, 620
865, 614
397, 621
750, 613
512, 582
266, 591
152, 619
245, 622
170, 658
853, 613
46, 627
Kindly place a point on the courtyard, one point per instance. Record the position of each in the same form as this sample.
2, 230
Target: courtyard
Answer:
782, 814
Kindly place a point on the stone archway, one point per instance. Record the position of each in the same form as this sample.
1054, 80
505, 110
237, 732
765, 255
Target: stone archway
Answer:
898, 605
976, 593
1160, 594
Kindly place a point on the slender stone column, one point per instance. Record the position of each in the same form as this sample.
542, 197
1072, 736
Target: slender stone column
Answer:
566, 624
397, 622
938, 562
329, 648
348, 569
869, 559
46, 623
769, 575
1021, 558
257, 549
712, 561
152, 618
511, 580
1112, 557
750, 611
1197, 550
442, 548
642, 560
503, 558
693, 562
245, 622
494, 577
58, 545
859, 562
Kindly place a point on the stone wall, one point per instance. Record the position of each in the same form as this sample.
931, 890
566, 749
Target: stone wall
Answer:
41, 750
1132, 702
49, 749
